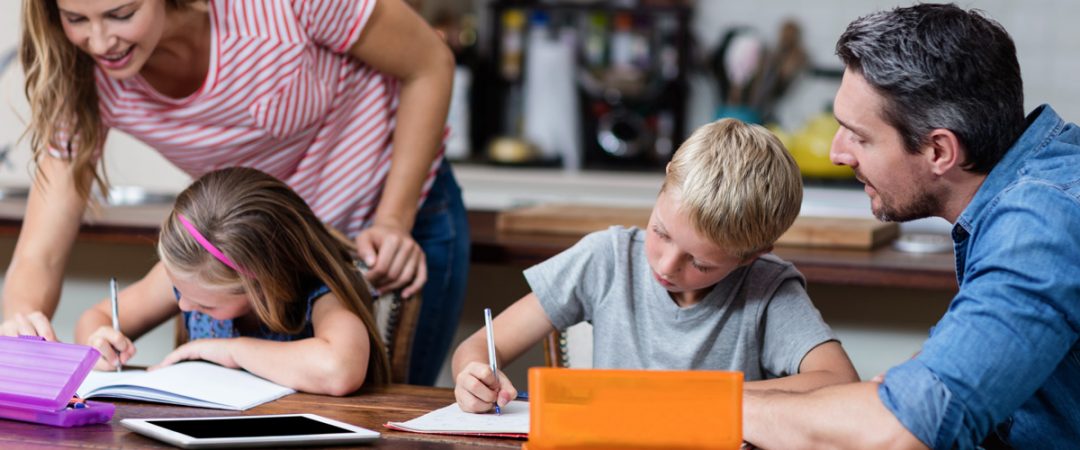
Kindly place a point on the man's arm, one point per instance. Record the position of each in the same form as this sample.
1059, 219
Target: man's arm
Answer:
842, 416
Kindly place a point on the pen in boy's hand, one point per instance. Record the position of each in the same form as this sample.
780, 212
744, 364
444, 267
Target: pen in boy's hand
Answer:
491, 356
115, 315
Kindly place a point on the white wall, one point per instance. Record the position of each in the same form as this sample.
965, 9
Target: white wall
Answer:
1045, 32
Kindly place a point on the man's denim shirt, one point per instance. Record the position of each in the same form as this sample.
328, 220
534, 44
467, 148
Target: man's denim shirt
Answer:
1005, 356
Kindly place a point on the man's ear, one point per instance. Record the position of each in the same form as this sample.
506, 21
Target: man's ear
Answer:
943, 151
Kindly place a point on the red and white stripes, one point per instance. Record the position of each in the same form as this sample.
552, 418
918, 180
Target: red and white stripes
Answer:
282, 96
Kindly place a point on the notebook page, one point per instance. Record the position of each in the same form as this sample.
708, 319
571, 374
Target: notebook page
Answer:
115, 385
98, 378
207, 384
452, 420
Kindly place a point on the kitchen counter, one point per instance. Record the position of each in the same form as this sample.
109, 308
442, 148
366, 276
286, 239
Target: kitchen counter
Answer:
488, 190
883, 267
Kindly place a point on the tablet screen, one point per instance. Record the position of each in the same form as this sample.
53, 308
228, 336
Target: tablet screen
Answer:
249, 427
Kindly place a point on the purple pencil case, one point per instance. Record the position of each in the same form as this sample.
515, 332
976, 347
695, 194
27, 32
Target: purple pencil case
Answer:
39, 378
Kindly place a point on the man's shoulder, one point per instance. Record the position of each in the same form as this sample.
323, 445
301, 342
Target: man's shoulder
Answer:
1050, 157
1041, 193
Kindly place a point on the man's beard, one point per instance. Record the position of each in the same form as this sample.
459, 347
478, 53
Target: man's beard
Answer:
923, 205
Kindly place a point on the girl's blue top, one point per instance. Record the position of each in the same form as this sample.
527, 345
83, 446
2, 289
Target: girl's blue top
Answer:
202, 326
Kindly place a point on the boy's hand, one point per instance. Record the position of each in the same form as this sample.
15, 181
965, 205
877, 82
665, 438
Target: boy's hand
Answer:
33, 324
477, 389
116, 349
217, 351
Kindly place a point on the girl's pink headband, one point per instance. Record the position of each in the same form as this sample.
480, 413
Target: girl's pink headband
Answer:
205, 243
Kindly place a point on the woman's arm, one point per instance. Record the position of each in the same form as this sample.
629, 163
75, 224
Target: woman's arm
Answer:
142, 306
53, 215
825, 365
399, 43
516, 330
333, 362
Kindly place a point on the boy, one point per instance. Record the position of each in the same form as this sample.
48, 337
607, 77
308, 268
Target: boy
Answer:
696, 290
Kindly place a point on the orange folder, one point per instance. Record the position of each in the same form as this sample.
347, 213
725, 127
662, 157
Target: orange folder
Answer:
642, 409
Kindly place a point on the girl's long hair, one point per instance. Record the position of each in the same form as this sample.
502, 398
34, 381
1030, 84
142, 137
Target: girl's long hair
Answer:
267, 230
65, 112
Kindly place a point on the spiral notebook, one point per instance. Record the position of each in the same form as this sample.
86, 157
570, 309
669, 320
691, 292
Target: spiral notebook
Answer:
193, 383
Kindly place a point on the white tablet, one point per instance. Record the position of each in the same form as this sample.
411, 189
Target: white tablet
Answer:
251, 431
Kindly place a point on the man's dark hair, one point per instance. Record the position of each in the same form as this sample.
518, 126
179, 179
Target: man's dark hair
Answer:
939, 66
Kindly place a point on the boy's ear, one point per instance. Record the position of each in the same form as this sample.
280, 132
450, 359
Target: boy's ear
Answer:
667, 168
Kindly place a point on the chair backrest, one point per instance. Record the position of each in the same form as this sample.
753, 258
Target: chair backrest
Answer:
570, 348
395, 318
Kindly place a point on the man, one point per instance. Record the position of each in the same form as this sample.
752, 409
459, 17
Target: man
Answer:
931, 114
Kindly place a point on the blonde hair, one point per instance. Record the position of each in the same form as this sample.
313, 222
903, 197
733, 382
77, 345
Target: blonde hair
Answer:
60, 86
738, 184
267, 230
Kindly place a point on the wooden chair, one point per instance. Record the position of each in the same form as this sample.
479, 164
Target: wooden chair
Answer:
570, 348
396, 320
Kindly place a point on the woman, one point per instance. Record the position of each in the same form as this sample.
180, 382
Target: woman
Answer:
345, 100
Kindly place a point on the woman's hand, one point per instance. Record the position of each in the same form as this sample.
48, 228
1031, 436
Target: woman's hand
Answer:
116, 349
477, 391
217, 351
33, 324
394, 259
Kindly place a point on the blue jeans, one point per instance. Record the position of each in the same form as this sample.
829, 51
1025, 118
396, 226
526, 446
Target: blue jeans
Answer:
442, 230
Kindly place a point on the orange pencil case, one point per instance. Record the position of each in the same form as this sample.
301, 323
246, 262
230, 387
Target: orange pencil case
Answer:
643, 409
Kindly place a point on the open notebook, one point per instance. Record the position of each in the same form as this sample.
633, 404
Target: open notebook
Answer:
514, 422
191, 383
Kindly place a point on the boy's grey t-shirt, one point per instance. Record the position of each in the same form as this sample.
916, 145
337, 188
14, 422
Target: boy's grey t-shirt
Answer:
758, 320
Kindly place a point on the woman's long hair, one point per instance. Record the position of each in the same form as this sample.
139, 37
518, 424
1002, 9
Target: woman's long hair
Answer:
273, 236
64, 107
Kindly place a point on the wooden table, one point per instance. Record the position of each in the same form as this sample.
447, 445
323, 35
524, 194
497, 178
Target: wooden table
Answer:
369, 409
882, 267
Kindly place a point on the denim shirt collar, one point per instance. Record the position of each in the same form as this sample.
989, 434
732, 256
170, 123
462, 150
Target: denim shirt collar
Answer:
1044, 125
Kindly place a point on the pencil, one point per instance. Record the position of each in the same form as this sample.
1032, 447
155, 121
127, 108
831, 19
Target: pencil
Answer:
115, 314
491, 356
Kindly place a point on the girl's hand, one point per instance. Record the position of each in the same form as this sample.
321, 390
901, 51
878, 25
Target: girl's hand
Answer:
116, 349
476, 389
394, 259
217, 351
33, 324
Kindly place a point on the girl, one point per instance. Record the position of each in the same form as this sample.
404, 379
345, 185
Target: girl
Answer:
264, 286
343, 100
